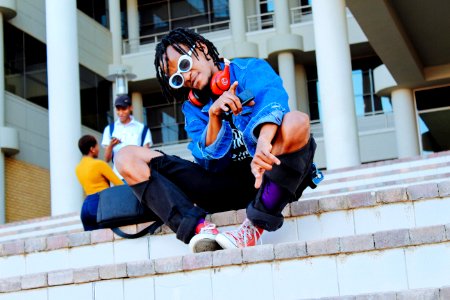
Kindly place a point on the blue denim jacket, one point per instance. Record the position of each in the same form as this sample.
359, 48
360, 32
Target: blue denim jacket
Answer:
271, 103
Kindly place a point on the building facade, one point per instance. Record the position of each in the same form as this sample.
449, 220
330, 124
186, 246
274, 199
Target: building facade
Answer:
362, 71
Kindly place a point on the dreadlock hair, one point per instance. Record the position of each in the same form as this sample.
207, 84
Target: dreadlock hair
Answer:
175, 38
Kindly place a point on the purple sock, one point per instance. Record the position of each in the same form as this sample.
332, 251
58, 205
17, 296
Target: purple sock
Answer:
271, 195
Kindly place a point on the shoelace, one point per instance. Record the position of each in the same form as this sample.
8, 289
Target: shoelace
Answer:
246, 231
208, 228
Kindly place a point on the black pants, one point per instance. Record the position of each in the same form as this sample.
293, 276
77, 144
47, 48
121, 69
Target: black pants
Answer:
180, 192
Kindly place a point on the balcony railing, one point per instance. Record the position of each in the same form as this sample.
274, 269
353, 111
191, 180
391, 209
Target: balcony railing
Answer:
267, 20
132, 45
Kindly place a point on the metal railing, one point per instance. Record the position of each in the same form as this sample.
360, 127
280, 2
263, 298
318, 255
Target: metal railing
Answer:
263, 21
132, 45
301, 14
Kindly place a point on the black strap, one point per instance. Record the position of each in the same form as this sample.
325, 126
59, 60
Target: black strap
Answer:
147, 230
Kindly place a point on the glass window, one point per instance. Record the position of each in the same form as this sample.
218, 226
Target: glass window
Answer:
159, 17
95, 9
26, 77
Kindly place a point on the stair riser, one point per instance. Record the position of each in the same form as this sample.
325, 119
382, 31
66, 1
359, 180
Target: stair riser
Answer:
303, 278
306, 228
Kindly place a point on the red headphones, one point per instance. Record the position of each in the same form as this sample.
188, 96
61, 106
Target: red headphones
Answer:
220, 82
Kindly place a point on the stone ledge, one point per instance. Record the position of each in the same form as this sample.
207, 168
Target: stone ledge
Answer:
401, 238
442, 293
296, 209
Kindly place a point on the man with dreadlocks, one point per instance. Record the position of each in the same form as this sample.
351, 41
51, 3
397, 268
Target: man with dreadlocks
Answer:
257, 156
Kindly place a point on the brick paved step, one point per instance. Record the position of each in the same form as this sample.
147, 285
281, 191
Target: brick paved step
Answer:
442, 293
373, 176
396, 261
369, 177
314, 219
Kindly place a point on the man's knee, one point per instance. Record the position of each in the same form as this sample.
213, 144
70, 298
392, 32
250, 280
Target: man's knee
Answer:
123, 160
295, 129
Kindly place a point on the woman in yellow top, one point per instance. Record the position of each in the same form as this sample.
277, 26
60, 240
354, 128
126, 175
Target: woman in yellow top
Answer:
95, 175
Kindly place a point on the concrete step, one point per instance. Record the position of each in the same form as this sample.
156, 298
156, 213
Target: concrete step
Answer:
66, 223
442, 293
309, 220
399, 261
365, 178
374, 176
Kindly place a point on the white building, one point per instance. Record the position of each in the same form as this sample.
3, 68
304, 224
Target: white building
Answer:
374, 76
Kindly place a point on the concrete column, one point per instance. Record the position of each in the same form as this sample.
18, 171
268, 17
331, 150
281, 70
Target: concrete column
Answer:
237, 19
302, 89
133, 25
286, 69
138, 108
405, 123
115, 26
286, 62
64, 104
116, 30
338, 114
239, 47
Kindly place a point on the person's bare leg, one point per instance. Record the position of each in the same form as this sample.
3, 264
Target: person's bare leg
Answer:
132, 163
293, 133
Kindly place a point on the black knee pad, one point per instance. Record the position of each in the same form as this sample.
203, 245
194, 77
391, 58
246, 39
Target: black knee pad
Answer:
292, 175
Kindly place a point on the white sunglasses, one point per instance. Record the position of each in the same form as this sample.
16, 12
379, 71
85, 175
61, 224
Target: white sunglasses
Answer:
184, 65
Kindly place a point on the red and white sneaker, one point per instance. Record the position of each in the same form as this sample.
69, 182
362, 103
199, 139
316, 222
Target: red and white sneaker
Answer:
245, 236
205, 239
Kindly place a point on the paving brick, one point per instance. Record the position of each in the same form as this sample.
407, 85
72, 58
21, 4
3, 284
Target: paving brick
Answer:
113, 271
365, 199
357, 243
258, 253
390, 239
304, 207
57, 242
380, 296
321, 247
169, 264
60, 277
12, 248
444, 292
166, 230
419, 294
197, 261
79, 239
35, 245
392, 195
333, 203
101, 236
241, 215
130, 229
224, 218
11, 284
32, 281
444, 188
422, 191
227, 257
286, 212
86, 275
140, 268
423, 235
290, 250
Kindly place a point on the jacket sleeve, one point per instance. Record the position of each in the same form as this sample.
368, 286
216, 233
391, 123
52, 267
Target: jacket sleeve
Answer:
215, 156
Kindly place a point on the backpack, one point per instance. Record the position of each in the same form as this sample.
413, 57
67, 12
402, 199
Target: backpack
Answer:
143, 134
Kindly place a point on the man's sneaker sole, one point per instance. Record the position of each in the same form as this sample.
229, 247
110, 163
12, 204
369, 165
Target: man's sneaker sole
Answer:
225, 242
203, 243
